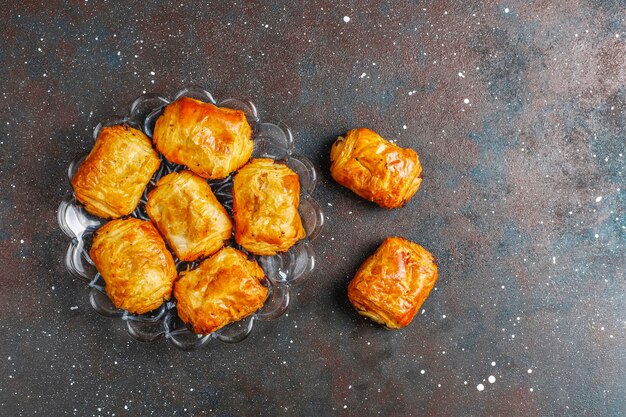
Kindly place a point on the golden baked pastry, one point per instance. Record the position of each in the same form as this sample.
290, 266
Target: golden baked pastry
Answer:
188, 215
211, 141
266, 196
375, 168
391, 285
111, 180
137, 268
223, 289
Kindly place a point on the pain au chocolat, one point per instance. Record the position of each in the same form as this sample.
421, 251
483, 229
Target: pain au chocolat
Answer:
224, 288
375, 169
391, 285
137, 268
188, 215
211, 141
266, 196
111, 180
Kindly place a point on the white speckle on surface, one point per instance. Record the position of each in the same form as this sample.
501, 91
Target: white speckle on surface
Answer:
74, 308
598, 199
531, 390
346, 19
330, 205
530, 371
461, 75
466, 101
422, 372
491, 379
554, 260
21, 240
444, 316
404, 127
363, 75
597, 235
493, 364
506, 10
152, 73
480, 387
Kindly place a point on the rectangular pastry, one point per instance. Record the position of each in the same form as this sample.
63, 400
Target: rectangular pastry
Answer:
375, 168
266, 196
223, 289
186, 212
391, 285
211, 141
137, 268
111, 180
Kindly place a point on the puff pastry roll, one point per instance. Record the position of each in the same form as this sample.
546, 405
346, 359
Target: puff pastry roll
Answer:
391, 285
137, 268
266, 196
111, 180
223, 289
211, 141
188, 215
375, 168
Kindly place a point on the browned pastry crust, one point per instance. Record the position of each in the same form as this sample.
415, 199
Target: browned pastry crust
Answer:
188, 215
111, 180
266, 196
223, 289
375, 168
391, 285
137, 268
211, 141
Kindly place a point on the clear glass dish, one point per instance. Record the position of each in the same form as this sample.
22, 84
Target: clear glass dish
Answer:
283, 271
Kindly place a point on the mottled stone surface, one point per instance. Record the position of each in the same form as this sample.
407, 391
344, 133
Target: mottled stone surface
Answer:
518, 111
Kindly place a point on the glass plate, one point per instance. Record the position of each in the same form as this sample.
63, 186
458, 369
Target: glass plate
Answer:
283, 271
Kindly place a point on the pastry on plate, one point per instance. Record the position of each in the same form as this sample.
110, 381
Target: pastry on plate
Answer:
188, 215
111, 180
211, 141
375, 168
391, 285
266, 196
137, 268
223, 289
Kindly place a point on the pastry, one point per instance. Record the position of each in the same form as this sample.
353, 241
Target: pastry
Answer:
223, 289
266, 196
137, 268
391, 285
188, 215
111, 180
375, 168
211, 141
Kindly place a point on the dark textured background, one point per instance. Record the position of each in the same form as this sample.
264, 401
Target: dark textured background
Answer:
531, 258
